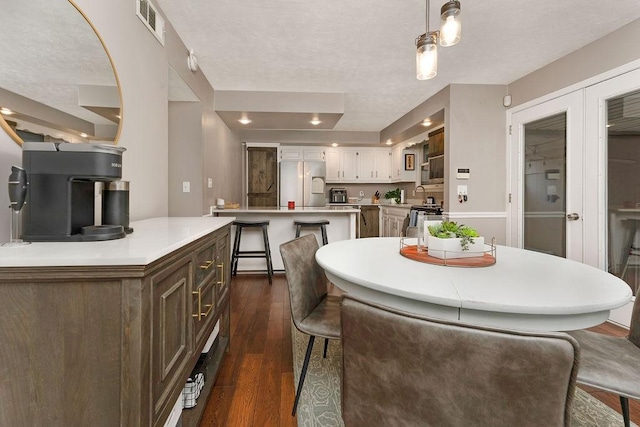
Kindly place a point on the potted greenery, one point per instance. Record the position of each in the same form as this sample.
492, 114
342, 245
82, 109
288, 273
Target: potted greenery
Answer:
450, 240
393, 194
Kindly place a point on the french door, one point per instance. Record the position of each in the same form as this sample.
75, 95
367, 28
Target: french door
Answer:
547, 177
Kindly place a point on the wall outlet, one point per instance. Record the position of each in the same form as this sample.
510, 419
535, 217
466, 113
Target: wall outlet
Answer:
362, 194
210, 182
186, 187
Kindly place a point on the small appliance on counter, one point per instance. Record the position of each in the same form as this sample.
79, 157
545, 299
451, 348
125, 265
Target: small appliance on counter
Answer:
338, 195
60, 202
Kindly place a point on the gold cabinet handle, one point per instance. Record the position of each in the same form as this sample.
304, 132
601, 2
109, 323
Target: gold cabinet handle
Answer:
206, 265
221, 267
199, 293
208, 311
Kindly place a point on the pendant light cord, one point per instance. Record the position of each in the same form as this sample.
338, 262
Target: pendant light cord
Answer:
427, 19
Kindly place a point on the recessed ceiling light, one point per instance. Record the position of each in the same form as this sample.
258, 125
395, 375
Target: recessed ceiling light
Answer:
609, 125
426, 122
84, 135
335, 144
315, 122
118, 116
244, 121
389, 142
5, 111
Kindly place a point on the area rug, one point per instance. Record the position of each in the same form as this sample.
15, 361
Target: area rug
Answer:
319, 404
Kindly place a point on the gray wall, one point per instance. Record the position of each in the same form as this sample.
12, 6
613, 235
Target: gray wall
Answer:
614, 50
476, 140
142, 66
185, 148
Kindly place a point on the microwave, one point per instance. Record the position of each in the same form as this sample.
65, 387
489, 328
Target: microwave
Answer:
436, 169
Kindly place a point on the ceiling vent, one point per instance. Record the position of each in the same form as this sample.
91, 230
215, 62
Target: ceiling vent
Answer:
148, 13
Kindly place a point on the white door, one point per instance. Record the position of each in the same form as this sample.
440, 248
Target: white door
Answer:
546, 177
612, 120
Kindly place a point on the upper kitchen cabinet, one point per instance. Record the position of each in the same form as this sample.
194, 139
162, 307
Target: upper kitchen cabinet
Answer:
436, 142
342, 164
374, 165
403, 165
302, 153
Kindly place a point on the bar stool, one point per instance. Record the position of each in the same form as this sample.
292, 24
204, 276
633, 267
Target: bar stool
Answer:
237, 253
307, 224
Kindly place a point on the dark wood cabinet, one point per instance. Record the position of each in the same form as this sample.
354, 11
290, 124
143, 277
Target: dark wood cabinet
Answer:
111, 345
436, 142
369, 221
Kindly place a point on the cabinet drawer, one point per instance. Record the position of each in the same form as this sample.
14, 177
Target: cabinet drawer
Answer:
204, 311
205, 264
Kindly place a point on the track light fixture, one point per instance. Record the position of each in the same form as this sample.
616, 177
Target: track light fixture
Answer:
427, 43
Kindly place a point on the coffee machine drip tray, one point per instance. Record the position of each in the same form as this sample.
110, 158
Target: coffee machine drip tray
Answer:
102, 232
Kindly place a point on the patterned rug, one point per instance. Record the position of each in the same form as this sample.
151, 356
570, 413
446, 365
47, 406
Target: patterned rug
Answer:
319, 404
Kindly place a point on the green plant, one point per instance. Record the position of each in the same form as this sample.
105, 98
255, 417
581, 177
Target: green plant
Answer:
393, 194
451, 230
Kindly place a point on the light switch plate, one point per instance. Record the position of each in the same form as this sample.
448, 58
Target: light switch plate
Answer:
186, 187
209, 182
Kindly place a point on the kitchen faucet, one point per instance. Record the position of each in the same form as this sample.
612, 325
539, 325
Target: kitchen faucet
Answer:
423, 193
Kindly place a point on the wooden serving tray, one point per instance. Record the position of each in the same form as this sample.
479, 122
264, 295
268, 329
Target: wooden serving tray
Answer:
411, 252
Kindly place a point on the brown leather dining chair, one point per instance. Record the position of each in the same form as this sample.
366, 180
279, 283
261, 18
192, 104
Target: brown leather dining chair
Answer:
313, 311
401, 369
612, 363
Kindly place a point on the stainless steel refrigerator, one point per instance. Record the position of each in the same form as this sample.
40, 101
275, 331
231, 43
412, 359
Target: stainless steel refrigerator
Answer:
303, 183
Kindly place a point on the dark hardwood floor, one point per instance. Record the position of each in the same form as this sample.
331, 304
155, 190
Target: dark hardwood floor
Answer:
255, 384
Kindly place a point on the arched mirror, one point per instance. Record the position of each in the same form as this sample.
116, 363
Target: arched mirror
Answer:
57, 81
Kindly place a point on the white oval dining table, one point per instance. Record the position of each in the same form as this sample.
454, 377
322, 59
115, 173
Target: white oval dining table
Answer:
523, 290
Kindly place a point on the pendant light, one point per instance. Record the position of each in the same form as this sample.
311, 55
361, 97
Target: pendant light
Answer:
450, 26
427, 43
427, 52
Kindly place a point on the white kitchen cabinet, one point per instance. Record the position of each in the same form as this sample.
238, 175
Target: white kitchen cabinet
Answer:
342, 164
392, 220
398, 172
374, 165
302, 153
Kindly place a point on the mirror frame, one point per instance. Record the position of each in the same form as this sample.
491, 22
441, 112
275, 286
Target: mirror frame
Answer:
5, 126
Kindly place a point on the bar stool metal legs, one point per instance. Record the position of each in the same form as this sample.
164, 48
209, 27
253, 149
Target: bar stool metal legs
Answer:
308, 224
237, 253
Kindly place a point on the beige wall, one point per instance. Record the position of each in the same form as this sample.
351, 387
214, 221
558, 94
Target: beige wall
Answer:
614, 50
475, 140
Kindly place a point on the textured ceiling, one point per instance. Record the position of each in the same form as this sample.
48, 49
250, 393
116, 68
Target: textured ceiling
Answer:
365, 49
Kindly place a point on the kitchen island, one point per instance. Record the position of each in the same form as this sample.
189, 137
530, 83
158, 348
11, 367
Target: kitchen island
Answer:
343, 225
107, 333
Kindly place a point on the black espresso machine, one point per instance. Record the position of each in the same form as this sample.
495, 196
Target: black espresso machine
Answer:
61, 196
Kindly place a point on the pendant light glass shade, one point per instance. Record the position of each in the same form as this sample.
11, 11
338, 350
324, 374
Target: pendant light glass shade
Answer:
450, 26
426, 56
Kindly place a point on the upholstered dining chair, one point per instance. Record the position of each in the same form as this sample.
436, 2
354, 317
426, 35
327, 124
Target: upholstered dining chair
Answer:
313, 311
401, 369
612, 363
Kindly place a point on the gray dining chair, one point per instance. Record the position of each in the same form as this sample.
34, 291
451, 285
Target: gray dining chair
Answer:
314, 312
612, 363
400, 369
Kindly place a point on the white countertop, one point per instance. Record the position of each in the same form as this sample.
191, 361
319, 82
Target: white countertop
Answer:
523, 290
283, 210
151, 239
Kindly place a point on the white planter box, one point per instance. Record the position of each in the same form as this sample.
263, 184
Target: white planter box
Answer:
451, 248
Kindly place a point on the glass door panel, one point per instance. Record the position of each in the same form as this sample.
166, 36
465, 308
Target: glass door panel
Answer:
545, 144
546, 177
623, 186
